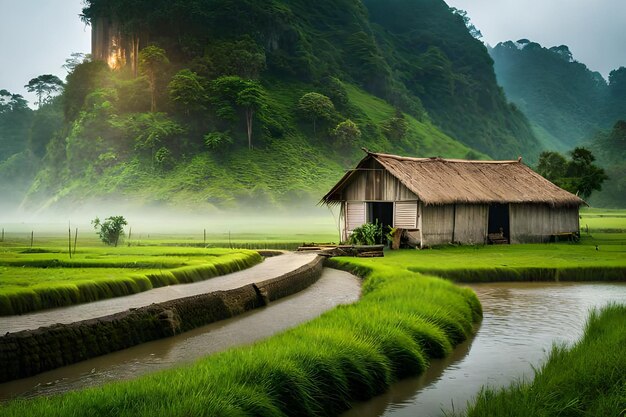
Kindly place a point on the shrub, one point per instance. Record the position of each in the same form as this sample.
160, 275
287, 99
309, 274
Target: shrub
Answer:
368, 234
111, 229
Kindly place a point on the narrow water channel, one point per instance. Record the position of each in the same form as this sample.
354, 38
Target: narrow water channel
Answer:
333, 288
521, 322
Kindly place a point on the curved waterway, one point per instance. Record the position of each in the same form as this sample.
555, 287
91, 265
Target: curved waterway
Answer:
332, 289
521, 322
269, 268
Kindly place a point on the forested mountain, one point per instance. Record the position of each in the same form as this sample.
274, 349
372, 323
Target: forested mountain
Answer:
610, 149
565, 101
245, 103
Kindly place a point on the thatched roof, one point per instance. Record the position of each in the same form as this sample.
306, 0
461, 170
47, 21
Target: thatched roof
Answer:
448, 181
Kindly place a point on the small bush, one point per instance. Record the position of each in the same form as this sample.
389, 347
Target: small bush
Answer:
111, 230
368, 234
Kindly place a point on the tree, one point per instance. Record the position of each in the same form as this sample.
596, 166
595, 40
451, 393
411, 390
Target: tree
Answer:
243, 57
578, 175
251, 99
75, 59
468, 22
150, 131
232, 93
584, 176
396, 127
187, 89
152, 62
346, 132
44, 85
83, 80
552, 165
111, 230
15, 121
315, 106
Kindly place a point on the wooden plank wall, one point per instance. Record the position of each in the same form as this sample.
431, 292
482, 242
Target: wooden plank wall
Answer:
537, 222
460, 223
437, 224
470, 224
376, 184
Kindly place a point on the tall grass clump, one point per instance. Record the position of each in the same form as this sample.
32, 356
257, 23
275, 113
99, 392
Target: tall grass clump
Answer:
350, 353
588, 379
82, 288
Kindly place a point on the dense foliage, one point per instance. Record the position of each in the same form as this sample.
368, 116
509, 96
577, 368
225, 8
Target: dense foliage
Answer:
565, 101
247, 103
610, 148
367, 234
579, 175
417, 54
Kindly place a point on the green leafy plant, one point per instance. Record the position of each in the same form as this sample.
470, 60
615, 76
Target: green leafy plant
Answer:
367, 234
111, 230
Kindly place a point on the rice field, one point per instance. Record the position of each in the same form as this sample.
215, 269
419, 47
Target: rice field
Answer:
602, 220
351, 353
587, 379
38, 278
530, 262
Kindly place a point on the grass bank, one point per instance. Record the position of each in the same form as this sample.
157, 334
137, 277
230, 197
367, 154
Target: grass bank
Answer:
588, 379
40, 278
350, 353
529, 262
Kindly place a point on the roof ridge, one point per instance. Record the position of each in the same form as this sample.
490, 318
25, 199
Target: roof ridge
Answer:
439, 159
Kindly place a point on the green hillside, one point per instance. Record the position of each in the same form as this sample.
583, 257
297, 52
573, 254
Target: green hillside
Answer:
566, 102
217, 111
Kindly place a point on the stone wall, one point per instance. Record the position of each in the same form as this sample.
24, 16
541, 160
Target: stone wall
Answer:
30, 352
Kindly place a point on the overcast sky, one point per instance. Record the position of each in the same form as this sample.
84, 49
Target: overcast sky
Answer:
36, 36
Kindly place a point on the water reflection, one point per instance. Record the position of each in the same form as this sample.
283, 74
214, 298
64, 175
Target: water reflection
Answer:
333, 288
521, 322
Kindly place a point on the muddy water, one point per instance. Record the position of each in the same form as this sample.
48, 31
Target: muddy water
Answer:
521, 322
333, 288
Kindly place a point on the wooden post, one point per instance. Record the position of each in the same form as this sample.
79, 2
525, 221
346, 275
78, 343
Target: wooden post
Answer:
32, 235
130, 233
69, 240
75, 239
2, 239
204, 237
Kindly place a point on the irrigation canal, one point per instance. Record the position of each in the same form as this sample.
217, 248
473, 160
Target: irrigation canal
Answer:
269, 268
521, 322
333, 288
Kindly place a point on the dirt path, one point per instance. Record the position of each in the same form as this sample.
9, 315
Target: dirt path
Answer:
269, 268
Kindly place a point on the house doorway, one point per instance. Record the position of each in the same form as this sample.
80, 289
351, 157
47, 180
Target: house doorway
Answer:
499, 221
383, 213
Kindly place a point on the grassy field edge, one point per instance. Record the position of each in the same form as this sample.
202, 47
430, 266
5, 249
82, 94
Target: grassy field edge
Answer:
24, 300
528, 274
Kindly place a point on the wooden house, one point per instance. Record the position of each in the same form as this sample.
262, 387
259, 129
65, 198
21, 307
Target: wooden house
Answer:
442, 201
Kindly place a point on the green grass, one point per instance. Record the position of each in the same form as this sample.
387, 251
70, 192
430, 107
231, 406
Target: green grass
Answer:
588, 379
49, 278
422, 139
603, 220
529, 262
350, 353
